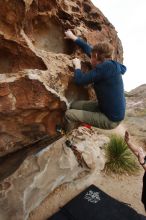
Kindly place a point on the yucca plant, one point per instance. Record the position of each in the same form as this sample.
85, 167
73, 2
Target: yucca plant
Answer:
120, 160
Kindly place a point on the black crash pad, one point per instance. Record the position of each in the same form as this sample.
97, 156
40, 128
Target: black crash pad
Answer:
58, 216
94, 204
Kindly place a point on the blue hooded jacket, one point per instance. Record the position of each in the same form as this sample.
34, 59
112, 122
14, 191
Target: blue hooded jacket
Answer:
107, 81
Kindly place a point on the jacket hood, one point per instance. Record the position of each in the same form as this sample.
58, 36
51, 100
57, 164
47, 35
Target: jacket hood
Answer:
121, 68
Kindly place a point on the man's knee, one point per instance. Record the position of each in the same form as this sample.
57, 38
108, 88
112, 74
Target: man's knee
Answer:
69, 113
115, 124
76, 105
72, 105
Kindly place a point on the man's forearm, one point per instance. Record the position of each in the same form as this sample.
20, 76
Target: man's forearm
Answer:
133, 148
85, 46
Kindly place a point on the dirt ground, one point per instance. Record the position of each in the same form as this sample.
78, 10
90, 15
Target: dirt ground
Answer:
127, 189
124, 188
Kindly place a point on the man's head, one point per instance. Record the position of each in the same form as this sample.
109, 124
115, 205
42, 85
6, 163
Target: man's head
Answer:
101, 52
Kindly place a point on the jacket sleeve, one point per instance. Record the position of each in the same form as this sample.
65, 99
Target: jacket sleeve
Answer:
86, 47
87, 78
102, 71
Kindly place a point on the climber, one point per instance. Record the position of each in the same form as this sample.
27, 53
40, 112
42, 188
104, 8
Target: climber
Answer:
138, 151
106, 77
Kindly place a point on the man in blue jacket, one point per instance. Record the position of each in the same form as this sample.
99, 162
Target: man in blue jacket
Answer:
106, 76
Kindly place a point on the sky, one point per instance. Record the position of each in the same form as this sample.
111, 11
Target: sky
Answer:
129, 19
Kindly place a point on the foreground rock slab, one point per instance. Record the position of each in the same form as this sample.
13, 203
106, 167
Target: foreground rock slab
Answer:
43, 172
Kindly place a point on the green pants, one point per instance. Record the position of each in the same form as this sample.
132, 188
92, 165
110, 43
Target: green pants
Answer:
88, 112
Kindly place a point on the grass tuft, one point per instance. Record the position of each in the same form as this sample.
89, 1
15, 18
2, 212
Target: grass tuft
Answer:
120, 160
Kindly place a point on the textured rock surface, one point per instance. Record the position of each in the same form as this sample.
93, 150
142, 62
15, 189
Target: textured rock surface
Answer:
40, 174
36, 87
136, 113
35, 64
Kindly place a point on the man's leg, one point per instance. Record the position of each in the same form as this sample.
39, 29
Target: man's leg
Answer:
96, 119
91, 106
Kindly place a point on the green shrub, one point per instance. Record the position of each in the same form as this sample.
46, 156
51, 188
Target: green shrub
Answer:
120, 159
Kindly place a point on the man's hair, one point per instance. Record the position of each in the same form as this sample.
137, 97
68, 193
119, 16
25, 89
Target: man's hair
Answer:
103, 50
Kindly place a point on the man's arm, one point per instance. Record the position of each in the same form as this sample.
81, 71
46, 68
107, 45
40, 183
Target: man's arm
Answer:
142, 158
80, 42
84, 79
138, 151
86, 47
131, 146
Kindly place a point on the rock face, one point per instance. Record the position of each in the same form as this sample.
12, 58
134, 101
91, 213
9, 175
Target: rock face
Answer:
35, 64
41, 173
36, 87
136, 113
